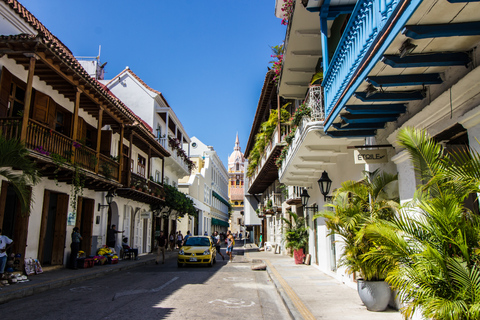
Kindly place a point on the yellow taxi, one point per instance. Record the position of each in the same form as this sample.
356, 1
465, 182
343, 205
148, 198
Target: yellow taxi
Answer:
197, 250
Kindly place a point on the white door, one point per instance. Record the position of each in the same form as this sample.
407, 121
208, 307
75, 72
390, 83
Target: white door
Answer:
126, 223
138, 232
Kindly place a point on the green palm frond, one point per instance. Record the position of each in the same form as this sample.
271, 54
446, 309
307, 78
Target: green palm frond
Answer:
13, 159
425, 153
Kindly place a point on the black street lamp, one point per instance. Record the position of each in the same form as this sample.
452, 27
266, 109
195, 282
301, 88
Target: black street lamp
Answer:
305, 197
324, 183
108, 198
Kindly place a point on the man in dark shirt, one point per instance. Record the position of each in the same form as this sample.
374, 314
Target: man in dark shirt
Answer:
162, 244
112, 236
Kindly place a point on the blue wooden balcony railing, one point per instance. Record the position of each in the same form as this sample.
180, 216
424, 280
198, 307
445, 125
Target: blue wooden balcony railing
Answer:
367, 20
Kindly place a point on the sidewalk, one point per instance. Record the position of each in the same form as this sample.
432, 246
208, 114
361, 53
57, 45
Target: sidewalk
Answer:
63, 277
309, 293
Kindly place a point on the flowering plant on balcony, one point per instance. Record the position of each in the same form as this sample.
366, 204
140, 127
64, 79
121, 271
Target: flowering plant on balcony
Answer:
175, 144
278, 62
41, 150
289, 137
287, 9
281, 157
264, 137
302, 111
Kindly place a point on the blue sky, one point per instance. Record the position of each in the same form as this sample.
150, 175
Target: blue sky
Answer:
208, 58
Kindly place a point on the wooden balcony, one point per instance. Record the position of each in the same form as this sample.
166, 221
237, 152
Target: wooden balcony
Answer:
58, 156
141, 189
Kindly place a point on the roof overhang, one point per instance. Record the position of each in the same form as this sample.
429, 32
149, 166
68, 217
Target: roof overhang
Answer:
311, 154
302, 51
391, 79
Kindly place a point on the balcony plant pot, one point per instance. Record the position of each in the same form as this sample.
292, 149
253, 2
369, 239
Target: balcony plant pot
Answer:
375, 295
298, 256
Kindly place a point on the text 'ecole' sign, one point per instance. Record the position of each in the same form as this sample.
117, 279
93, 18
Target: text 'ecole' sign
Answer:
370, 156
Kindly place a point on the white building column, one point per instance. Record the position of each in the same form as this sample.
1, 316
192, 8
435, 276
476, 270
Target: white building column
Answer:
406, 176
471, 122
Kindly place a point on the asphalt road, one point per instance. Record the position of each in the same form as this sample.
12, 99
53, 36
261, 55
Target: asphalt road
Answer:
225, 291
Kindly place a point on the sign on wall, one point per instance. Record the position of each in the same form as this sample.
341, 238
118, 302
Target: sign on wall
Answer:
146, 215
370, 156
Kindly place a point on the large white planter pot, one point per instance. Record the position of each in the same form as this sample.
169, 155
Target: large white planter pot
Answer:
395, 302
374, 294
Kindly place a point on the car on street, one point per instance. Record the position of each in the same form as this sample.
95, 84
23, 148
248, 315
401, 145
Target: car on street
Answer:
197, 250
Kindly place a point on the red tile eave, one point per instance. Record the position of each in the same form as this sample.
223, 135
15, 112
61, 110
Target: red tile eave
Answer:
133, 114
63, 53
140, 123
268, 86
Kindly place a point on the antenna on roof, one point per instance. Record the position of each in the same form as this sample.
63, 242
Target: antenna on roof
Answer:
99, 51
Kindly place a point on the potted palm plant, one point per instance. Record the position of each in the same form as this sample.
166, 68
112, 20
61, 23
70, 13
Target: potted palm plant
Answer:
356, 205
296, 236
435, 240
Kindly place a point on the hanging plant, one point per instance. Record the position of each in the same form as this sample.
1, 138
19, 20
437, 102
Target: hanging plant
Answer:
106, 170
78, 183
287, 8
277, 62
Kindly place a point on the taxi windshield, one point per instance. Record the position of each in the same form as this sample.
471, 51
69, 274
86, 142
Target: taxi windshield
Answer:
201, 242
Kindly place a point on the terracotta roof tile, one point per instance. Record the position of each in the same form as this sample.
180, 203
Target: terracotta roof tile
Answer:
56, 46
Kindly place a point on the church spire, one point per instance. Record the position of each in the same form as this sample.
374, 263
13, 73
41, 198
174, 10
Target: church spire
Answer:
237, 144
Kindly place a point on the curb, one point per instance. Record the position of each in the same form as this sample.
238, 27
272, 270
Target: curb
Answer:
32, 289
292, 311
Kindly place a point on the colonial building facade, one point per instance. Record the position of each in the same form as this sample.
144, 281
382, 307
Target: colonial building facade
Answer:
382, 67
207, 186
100, 163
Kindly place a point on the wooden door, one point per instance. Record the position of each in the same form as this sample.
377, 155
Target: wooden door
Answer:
106, 142
3, 200
43, 225
87, 225
20, 232
6, 81
60, 229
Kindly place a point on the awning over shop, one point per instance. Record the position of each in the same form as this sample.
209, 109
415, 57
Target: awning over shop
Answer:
219, 197
218, 222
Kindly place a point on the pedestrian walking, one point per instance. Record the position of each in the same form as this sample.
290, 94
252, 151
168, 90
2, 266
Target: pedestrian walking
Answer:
179, 239
187, 236
172, 241
75, 246
230, 244
162, 245
218, 243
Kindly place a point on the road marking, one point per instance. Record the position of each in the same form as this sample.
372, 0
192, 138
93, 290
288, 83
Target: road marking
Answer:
301, 307
233, 303
139, 291
237, 279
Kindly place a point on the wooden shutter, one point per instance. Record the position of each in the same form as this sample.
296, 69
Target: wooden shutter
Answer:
52, 113
40, 107
6, 83
60, 229
82, 129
